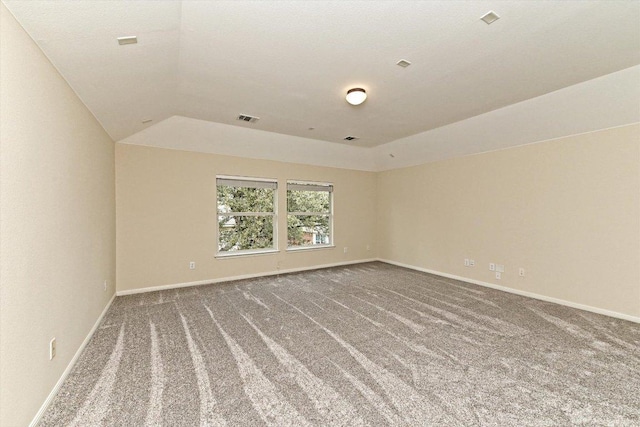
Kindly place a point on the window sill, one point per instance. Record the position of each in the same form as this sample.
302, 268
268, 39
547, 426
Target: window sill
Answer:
309, 248
246, 253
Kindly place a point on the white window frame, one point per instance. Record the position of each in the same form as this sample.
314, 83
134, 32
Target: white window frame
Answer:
273, 183
313, 186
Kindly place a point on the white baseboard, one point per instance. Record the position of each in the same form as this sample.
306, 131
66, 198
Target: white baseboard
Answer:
242, 277
70, 366
519, 292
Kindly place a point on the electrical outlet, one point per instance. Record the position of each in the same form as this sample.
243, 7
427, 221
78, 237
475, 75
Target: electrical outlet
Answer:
472, 263
521, 272
105, 286
346, 249
492, 267
498, 275
500, 268
466, 262
192, 265
52, 348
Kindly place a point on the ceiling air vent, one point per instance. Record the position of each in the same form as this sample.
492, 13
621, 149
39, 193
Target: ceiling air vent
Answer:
246, 118
350, 138
128, 40
490, 17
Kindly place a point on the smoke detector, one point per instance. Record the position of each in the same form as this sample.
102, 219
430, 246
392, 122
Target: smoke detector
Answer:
247, 118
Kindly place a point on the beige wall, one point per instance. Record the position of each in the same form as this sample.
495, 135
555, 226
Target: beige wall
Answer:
166, 216
57, 218
567, 211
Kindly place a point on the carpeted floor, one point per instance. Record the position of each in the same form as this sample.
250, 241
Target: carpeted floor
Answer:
369, 344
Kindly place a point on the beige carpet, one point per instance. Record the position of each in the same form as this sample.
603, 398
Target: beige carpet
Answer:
370, 344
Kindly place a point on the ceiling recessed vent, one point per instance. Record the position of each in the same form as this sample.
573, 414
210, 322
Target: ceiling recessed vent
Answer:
350, 138
403, 63
128, 40
246, 118
490, 17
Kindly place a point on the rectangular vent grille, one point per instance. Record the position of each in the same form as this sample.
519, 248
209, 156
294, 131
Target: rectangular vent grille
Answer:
350, 138
490, 17
246, 118
127, 40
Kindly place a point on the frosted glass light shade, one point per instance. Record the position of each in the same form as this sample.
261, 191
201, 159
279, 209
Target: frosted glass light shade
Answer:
356, 96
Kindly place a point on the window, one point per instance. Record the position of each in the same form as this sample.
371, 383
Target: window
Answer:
247, 220
309, 214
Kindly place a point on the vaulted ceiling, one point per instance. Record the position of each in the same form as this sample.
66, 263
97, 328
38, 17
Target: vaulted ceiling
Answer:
291, 62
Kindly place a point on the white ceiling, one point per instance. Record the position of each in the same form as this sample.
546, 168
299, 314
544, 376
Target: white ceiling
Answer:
291, 62
601, 103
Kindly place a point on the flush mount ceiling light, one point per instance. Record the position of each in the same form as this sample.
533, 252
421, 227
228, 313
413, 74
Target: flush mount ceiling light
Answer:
356, 96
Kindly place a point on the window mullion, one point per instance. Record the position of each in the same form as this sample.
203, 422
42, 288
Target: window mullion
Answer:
246, 214
310, 213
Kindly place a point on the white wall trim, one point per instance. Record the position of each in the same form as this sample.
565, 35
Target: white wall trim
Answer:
519, 292
241, 277
70, 366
